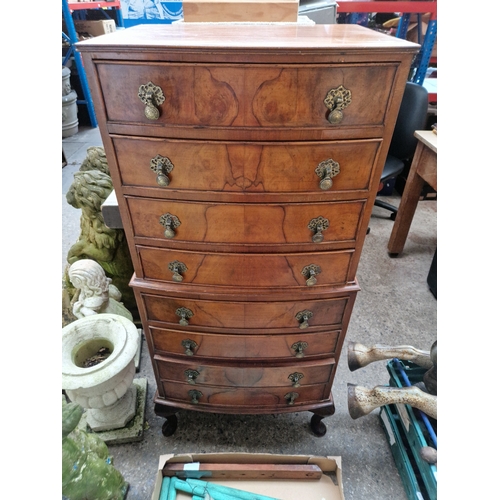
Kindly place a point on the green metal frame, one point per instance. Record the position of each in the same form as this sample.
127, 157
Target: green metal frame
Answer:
200, 489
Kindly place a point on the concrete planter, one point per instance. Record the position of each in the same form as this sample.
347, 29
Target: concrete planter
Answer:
106, 389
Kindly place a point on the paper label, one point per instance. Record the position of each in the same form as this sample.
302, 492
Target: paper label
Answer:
403, 414
192, 466
387, 424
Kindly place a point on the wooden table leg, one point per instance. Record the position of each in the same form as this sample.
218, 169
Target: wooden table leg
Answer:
408, 205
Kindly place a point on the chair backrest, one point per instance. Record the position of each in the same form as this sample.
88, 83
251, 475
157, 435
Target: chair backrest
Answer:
412, 116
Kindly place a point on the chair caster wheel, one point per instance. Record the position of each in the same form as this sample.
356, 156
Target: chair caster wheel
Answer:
393, 215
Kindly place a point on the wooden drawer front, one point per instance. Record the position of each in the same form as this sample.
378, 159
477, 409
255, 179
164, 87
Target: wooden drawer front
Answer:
257, 316
245, 270
254, 398
247, 224
217, 95
258, 167
198, 375
299, 346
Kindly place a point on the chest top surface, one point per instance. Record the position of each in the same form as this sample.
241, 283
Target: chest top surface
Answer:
247, 37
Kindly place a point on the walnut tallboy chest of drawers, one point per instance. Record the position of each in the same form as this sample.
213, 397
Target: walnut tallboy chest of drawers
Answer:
246, 160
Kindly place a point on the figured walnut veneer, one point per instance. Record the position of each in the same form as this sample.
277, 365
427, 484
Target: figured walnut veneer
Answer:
246, 160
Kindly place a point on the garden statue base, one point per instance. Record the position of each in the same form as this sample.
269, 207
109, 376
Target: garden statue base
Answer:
134, 430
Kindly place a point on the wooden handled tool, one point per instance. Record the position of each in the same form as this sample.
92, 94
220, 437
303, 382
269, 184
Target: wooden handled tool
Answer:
243, 471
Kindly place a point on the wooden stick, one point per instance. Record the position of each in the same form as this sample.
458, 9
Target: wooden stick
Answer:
244, 471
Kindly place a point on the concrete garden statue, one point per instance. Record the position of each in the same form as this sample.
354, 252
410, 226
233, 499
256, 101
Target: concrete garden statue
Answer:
87, 468
96, 294
91, 187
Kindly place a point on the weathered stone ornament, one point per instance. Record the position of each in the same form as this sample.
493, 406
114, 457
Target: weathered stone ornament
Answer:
105, 389
96, 294
91, 186
69, 105
87, 468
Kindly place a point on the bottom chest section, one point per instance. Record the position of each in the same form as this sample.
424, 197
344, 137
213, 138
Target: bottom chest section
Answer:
244, 385
244, 352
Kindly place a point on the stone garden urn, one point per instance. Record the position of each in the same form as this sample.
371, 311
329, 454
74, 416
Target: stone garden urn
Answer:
98, 368
69, 105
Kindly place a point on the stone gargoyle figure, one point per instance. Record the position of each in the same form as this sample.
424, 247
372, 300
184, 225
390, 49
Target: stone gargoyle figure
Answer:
96, 292
107, 246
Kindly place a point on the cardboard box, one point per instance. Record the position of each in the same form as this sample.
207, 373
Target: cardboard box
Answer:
218, 11
412, 34
327, 487
95, 28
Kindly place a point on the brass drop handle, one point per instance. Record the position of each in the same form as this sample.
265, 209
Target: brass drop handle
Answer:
336, 101
191, 376
161, 166
184, 314
177, 268
195, 396
170, 223
326, 170
295, 378
317, 226
303, 317
310, 273
189, 346
152, 96
291, 397
299, 348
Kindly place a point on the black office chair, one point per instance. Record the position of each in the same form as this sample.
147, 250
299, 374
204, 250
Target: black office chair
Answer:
412, 116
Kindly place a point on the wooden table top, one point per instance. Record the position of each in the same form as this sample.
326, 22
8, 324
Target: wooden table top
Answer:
428, 137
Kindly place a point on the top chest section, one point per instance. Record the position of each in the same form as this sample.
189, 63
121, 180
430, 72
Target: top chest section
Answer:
266, 83
261, 99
